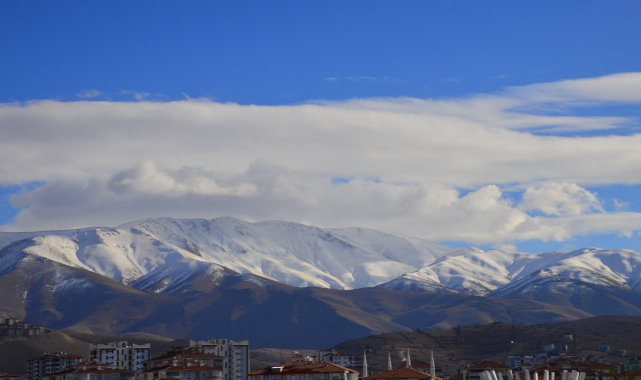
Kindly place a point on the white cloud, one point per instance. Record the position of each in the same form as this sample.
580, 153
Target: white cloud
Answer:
407, 160
555, 198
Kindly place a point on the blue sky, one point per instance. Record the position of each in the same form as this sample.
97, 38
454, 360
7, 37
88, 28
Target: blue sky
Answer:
107, 107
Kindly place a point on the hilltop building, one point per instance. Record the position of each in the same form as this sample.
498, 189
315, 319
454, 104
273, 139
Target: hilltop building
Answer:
15, 327
48, 364
235, 356
92, 371
121, 355
304, 370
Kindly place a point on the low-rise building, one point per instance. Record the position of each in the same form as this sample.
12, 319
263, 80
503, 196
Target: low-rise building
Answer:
332, 356
304, 370
50, 363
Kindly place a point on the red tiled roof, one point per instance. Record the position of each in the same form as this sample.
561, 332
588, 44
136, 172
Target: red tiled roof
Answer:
402, 373
302, 368
634, 372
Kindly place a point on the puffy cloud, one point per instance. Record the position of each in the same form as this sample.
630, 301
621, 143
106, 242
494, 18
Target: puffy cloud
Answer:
555, 198
425, 167
435, 212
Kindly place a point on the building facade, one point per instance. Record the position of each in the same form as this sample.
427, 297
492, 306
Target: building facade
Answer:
92, 371
235, 356
47, 364
121, 355
182, 370
331, 356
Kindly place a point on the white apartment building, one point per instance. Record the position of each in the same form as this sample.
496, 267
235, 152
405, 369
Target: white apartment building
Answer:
121, 355
235, 354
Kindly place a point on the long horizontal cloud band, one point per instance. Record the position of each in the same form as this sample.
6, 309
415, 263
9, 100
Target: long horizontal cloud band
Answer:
392, 164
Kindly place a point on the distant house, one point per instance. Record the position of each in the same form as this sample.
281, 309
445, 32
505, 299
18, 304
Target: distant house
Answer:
92, 371
583, 365
402, 373
304, 370
331, 356
630, 365
472, 371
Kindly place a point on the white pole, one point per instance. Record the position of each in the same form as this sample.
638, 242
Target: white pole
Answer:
364, 365
536, 376
432, 367
500, 375
510, 375
527, 375
494, 377
552, 375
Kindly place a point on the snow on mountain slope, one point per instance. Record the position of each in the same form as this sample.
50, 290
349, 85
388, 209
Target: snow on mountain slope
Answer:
619, 268
147, 254
176, 255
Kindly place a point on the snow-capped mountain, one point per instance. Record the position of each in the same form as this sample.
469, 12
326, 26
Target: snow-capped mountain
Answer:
168, 254
173, 255
200, 278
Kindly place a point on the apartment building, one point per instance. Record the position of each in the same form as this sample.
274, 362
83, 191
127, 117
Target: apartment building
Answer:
235, 356
121, 355
47, 364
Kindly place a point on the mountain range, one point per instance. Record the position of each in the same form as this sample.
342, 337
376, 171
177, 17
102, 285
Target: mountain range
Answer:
198, 278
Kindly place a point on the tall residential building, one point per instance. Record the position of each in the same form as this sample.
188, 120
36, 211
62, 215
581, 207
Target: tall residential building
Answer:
121, 354
50, 363
235, 354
